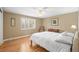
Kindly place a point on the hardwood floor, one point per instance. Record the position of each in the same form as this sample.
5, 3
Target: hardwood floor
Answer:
20, 45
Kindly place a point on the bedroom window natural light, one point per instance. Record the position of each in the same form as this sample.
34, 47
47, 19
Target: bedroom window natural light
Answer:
28, 23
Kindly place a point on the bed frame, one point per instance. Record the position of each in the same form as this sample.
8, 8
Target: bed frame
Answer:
31, 43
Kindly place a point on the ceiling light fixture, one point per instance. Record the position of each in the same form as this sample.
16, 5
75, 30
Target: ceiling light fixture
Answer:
41, 11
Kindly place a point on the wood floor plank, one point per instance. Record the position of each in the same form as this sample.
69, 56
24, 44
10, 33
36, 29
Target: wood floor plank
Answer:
20, 45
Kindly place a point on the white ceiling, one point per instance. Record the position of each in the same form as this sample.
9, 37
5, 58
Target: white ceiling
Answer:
47, 11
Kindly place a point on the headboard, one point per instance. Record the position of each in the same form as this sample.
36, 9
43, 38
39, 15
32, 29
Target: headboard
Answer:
75, 46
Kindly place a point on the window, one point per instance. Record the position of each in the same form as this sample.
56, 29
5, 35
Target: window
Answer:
27, 23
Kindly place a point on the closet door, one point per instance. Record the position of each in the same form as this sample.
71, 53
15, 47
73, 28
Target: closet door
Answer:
1, 26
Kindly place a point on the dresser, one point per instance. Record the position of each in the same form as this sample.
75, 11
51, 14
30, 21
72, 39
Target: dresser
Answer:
53, 30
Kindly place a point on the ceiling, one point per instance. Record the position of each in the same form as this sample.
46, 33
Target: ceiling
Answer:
40, 12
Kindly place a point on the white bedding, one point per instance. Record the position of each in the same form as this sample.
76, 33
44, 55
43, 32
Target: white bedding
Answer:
48, 41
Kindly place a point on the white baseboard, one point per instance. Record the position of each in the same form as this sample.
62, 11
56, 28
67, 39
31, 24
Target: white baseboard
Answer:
15, 38
1, 43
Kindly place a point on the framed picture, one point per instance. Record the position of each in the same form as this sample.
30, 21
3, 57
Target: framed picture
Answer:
12, 22
55, 22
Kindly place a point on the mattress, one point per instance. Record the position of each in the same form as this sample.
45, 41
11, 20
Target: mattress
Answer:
47, 41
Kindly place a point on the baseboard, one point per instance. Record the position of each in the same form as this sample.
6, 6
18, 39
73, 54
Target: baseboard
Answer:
1, 43
15, 38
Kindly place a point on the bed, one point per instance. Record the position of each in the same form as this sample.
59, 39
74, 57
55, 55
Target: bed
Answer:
53, 41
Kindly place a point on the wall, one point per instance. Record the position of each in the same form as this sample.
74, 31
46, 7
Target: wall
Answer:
78, 21
1, 27
65, 21
16, 31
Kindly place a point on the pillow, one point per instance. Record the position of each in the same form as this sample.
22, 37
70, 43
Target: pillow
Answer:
64, 39
67, 34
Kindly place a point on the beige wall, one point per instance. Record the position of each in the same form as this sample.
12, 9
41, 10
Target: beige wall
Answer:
16, 31
65, 21
78, 21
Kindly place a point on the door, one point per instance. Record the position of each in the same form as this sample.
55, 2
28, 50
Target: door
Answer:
1, 26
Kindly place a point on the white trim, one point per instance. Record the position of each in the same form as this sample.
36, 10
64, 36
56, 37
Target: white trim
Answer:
1, 43
15, 38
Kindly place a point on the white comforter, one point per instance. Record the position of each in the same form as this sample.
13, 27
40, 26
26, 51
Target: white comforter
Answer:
47, 40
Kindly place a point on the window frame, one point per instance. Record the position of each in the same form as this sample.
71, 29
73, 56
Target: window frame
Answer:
28, 21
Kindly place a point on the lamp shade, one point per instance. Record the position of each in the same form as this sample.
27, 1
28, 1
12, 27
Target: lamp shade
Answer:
73, 27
